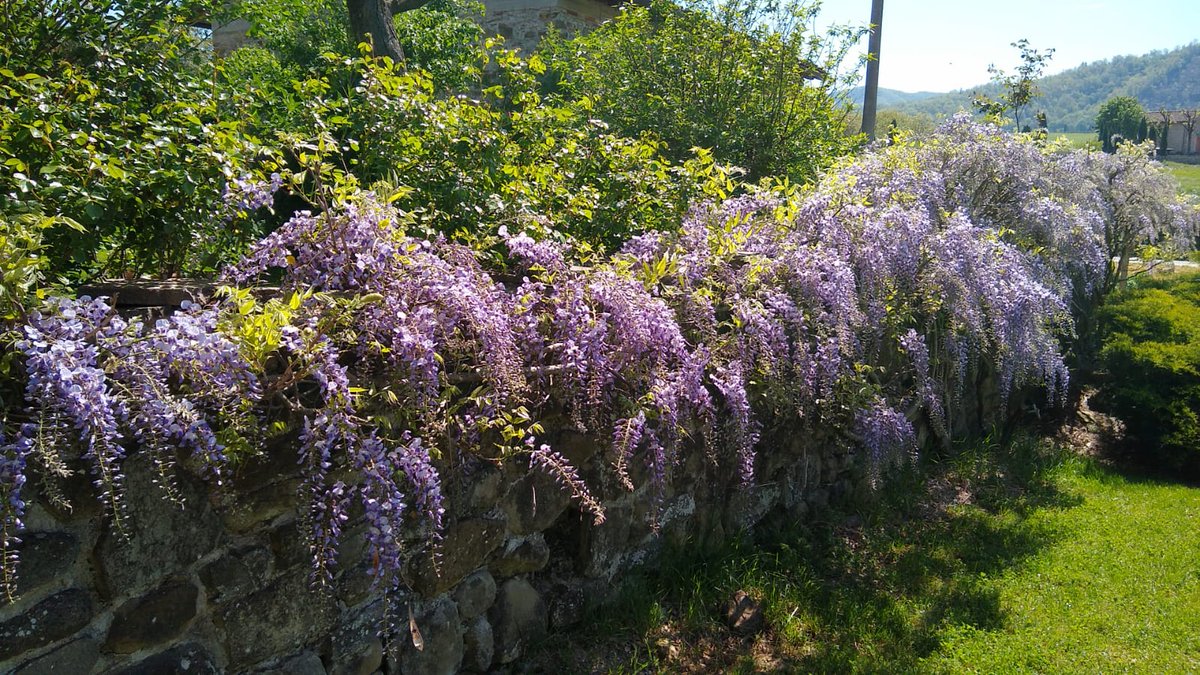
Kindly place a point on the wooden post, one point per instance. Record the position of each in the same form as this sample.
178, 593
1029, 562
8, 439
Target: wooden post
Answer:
871, 91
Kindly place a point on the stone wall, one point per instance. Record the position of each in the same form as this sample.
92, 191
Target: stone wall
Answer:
220, 582
522, 23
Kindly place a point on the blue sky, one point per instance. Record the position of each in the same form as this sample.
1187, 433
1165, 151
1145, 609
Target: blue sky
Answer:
940, 45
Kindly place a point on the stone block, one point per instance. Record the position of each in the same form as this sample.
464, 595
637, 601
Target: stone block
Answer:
154, 618
479, 646
244, 511
441, 632
521, 555
748, 505
77, 656
579, 448
604, 545
483, 489
288, 546
355, 648
744, 614
567, 606
59, 616
236, 574
356, 584
82, 502
465, 547
275, 620
264, 487
160, 538
475, 594
304, 663
185, 659
518, 619
533, 503
46, 557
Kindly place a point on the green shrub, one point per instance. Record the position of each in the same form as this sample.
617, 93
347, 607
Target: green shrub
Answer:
1152, 355
109, 118
466, 167
138, 158
443, 37
745, 79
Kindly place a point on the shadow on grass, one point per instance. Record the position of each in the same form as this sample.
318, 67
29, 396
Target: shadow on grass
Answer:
873, 589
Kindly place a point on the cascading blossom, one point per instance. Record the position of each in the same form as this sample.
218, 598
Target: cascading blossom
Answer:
887, 436
12, 507
901, 276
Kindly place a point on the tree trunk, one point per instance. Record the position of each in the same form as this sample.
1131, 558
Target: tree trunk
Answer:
371, 21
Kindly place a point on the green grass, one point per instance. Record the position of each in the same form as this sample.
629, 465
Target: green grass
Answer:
1120, 586
1032, 560
1080, 139
1188, 176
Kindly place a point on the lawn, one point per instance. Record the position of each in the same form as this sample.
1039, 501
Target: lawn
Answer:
1033, 560
1080, 139
1119, 586
1188, 176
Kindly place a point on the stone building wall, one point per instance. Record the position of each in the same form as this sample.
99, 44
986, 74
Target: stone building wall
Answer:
227, 37
522, 23
220, 583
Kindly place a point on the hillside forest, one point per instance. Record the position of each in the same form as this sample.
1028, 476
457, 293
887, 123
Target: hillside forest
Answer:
1167, 80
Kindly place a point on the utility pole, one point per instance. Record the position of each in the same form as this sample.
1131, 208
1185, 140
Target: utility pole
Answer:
871, 91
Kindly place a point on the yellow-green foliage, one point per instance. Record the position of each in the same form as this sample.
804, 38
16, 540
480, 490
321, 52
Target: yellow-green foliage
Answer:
1153, 357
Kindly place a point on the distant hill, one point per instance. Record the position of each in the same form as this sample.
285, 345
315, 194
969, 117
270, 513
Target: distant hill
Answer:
890, 98
1160, 79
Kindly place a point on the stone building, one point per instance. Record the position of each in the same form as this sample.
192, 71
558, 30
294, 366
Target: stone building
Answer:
522, 23
1183, 130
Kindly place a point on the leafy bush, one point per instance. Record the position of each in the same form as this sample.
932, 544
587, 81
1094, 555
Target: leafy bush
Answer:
445, 38
1152, 356
139, 159
468, 167
442, 37
36, 35
1120, 117
856, 307
745, 79
111, 121
296, 32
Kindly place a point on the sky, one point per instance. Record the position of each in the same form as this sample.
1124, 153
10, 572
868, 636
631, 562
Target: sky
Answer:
942, 45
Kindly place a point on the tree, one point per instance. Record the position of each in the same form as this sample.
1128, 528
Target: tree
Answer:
1019, 89
1164, 129
1188, 121
1141, 207
1119, 116
40, 35
374, 20
745, 79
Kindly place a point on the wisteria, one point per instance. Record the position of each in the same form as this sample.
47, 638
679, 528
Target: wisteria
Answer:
68, 389
886, 434
861, 306
245, 194
560, 469
12, 508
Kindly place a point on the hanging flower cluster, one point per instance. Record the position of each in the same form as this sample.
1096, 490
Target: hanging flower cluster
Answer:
880, 290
